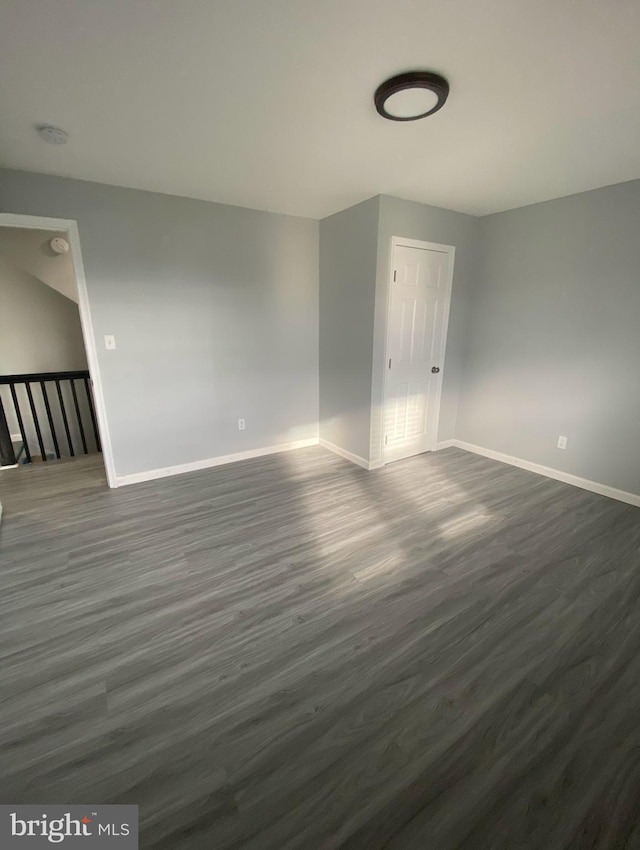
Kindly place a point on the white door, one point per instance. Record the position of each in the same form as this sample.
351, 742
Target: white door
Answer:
417, 323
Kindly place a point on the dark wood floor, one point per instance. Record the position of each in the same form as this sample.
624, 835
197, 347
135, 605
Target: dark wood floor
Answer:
291, 652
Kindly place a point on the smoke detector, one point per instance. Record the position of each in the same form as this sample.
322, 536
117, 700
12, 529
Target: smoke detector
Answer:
59, 245
53, 135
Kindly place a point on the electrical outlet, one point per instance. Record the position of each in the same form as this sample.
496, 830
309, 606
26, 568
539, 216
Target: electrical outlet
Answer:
562, 442
109, 341
241, 425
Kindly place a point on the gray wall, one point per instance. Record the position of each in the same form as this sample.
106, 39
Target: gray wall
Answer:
348, 250
215, 313
39, 328
430, 224
555, 338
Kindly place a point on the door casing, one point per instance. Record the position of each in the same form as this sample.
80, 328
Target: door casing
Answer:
70, 228
429, 246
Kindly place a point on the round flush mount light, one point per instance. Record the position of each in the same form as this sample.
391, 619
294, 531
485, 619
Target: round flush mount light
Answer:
53, 135
410, 96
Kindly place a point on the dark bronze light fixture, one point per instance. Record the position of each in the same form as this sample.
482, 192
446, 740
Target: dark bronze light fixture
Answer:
410, 96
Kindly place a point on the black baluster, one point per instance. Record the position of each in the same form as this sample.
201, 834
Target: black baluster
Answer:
50, 418
64, 418
7, 454
77, 406
23, 433
93, 414
34, 414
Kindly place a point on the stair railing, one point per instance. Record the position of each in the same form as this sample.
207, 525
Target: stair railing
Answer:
47, 405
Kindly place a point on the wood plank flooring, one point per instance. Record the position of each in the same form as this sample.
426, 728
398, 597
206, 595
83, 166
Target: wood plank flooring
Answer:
291, 652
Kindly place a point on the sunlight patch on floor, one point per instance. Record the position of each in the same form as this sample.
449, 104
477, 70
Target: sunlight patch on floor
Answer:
463, 524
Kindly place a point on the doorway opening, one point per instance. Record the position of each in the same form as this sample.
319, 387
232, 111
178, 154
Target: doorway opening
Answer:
51, 403
417, 322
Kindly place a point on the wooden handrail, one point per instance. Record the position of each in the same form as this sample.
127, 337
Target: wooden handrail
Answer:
32, 377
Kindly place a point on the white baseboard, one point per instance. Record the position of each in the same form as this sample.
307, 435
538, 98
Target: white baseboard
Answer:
360, 461
194, 466
549, 472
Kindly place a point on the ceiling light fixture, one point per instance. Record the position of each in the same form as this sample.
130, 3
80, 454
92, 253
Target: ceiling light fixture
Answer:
410, 96
53, 135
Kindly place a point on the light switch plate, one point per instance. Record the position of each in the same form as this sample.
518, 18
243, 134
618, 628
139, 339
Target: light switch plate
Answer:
562, 442
109, 341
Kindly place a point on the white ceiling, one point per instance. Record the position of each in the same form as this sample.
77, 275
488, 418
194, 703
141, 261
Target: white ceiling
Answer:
268, 103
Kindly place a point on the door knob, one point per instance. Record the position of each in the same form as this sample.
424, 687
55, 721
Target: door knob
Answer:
435, 369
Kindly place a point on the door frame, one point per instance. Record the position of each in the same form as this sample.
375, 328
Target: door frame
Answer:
400, 241
70, 228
